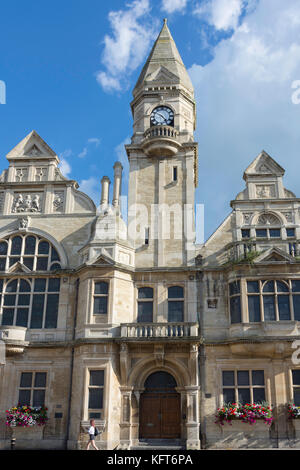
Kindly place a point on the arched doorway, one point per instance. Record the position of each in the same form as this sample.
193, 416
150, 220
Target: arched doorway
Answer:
160, 408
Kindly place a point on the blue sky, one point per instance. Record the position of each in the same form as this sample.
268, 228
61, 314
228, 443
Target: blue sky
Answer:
70, 66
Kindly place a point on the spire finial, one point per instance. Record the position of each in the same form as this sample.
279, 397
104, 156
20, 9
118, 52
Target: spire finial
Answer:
165, 20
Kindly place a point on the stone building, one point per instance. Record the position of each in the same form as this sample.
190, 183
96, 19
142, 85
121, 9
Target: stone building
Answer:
132, 323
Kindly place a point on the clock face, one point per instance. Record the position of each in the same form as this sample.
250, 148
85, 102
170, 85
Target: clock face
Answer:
162, 116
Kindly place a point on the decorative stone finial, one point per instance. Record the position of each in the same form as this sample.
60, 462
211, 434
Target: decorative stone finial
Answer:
165, 20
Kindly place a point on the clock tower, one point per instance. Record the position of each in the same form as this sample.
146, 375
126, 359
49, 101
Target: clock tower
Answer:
163, 160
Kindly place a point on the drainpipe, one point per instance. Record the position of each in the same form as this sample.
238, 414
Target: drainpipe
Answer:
72, 364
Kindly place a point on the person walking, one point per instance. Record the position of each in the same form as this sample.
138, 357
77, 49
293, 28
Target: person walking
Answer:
92, 432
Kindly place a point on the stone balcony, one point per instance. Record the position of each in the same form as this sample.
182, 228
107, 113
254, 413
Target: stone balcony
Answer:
14, 339
161, 140
148, 331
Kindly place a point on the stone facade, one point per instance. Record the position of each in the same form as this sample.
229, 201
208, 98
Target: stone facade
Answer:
135, 324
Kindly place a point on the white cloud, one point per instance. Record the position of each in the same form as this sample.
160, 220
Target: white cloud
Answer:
94, 140
222, 14
244, 104
83, 153
64, 165
92, 188
125, 48
65, 168
91, 140
170, 6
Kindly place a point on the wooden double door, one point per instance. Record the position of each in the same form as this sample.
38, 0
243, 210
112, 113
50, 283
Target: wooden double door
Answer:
160, 415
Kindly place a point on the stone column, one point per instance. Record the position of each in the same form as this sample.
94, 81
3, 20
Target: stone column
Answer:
125, 424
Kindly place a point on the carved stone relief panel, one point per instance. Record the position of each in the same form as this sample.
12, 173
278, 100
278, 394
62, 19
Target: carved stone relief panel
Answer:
58, 201
268, 219
264, 191
27, 202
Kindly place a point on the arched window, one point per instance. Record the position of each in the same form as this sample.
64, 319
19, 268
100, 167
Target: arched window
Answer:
175, 304
32, 303
160, 381
35, 252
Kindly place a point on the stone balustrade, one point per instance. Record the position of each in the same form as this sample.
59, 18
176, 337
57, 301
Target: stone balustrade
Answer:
159, 330
161, 131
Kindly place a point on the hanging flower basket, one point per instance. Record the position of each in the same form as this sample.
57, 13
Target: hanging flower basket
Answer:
293, 411
248, 413
26, 416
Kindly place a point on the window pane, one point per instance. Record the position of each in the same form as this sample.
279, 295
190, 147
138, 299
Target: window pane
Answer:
9, 299
43, 248
39, 285
13, 260
245, 233
30, 246
175, 311
175, 292
100, 305
243, 377
37, 311
55, 266
234, 288
54, 284
97, 377
101, 288
16, 246
54, 255
296, 303
145, 293
42, 264
12, 286
28, 262
235, 310
51, 311
24, 397
228, 395
258, 377
269, 308
252, 286
95, 398
259, 395
282, 287
296, 377
26, 379
22, 317
290, 232
24, 299
296, 286
228, 377
297, 396
38, 398
244, 395
1, 285
254, 308
275, 232
261, 233
24, 286
284, 307
8, 316
269, 287
145, 312
40, 379
3, 248
2, 264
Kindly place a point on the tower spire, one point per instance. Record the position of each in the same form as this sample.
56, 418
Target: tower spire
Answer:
164, 56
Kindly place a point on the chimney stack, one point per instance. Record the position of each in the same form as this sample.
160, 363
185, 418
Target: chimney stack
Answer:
117, 185
105, 182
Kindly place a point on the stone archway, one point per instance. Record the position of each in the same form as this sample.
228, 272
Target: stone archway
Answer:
160, 416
